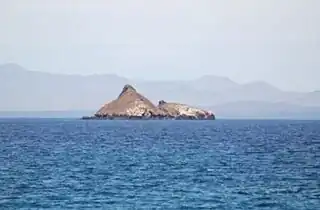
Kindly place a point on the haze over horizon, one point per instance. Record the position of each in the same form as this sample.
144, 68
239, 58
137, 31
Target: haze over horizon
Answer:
15, 66
273, 41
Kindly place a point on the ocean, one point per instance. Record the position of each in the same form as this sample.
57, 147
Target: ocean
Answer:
222, 164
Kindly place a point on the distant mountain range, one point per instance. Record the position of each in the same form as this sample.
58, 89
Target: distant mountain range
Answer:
24, 90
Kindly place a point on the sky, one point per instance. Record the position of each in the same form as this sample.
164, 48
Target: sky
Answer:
277, 41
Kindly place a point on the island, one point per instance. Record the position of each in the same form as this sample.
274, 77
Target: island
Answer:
130, 104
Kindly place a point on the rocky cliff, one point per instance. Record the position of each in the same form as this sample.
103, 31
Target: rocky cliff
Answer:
185, 111
132, 105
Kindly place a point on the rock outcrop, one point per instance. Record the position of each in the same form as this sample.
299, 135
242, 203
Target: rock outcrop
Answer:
129, 104
183, 111
132, 105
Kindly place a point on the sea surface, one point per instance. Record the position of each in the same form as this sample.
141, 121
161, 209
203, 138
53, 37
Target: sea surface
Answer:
222, 164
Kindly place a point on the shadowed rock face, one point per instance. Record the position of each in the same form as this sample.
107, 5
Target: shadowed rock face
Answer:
132, 105
184, 111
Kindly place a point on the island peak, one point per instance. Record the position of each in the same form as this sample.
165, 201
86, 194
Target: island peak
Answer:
130, 104
127, 88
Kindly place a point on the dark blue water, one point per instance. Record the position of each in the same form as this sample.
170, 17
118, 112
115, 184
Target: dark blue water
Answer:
73, 164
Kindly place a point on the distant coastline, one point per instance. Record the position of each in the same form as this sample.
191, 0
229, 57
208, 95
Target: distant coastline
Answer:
228, 99
44, 114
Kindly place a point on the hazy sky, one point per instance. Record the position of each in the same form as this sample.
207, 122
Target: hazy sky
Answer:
273, 40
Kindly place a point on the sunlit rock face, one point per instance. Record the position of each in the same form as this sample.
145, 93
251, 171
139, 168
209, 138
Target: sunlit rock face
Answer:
129, 103
184, 111
132, 105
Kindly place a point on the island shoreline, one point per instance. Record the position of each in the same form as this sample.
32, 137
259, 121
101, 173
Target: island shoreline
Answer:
131, 105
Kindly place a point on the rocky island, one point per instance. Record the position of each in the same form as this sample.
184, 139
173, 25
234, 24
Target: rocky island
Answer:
132, 105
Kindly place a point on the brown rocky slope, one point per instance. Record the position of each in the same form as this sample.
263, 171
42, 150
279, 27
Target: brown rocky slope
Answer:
132, 105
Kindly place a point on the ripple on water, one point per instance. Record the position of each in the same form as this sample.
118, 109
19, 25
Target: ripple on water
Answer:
71, 164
